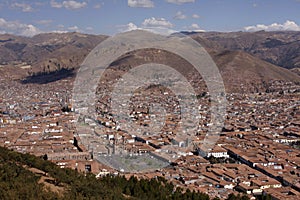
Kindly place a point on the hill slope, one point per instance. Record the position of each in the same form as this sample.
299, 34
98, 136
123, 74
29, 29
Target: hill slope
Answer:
241, 71
47, 52
278, 48
20, 175
244, 72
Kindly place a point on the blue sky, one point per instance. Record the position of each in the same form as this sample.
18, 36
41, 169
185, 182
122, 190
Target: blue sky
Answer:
29, 17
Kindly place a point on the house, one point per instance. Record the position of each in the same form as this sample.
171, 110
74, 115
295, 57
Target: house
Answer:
266, 183
217, 152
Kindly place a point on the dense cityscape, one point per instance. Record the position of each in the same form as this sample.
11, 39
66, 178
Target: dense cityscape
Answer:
257, 152
148, 99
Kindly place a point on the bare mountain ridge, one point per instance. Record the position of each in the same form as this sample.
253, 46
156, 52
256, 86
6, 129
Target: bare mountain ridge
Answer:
279, 48
241, 72
47, 52
53, 52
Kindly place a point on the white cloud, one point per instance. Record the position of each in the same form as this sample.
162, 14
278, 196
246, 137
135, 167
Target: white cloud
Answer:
24, 7
155, 25
157, 22
195, 27
287, 26
71, 5
97, 6
44, 22
55, 4
128, 27
74, 28
141, 3
180, 1
58, 31
17, 28
179, 15
195, 16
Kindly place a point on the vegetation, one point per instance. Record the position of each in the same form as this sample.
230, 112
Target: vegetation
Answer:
295, 144
237, 197
214, 160
18, 182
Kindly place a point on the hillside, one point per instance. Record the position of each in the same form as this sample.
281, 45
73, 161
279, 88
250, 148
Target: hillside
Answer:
244, 72
241, 72
296, 71
278, 48
24, 176
49, 57
46, 52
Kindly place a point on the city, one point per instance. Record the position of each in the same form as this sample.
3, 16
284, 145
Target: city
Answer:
148, 99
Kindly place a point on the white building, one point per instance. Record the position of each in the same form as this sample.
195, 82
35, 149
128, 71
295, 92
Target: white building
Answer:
217, 152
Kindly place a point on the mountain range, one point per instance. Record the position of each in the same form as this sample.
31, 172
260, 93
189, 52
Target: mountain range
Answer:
251, 60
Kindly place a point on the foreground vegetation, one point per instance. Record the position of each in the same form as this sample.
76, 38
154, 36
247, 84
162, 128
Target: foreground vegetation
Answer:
18, 182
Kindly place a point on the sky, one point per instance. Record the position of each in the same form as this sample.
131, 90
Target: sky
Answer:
108, 17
